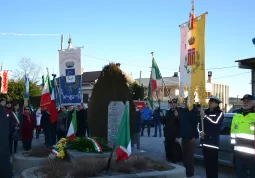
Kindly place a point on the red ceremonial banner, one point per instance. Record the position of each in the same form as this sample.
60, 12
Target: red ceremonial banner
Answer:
4, 88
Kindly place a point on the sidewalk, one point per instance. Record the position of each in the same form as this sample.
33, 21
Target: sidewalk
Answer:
35, 142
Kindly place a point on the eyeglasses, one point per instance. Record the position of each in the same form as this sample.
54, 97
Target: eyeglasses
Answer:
27, 109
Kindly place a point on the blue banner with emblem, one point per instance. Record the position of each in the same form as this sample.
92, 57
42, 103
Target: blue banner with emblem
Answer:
70, 93
70, 79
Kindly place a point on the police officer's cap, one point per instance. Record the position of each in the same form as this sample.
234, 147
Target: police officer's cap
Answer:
214, 99
248, 97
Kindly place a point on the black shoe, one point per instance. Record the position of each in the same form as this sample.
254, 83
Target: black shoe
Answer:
154, 135
141, 135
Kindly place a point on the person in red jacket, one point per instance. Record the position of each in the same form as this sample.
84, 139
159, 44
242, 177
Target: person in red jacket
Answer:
27, 128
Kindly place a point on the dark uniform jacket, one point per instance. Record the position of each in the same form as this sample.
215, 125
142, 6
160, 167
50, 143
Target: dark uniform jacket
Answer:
188, 122
212, 125
171, 124
6, 170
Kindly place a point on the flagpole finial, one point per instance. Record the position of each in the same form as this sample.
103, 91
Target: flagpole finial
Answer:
47, 69
193, 6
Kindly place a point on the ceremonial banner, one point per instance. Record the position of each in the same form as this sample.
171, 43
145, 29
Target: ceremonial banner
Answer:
4, 82
192, 62
70, 76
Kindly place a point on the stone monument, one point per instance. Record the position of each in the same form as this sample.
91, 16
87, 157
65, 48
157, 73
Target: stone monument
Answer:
115, 113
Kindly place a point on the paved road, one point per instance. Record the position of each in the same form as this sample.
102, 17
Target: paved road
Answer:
154, 146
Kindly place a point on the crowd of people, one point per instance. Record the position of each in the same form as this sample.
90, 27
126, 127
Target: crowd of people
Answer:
22, 125
57, 130
184, 125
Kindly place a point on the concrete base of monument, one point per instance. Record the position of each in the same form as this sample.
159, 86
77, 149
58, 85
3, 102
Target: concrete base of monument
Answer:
76, 155
21, 162
177, 172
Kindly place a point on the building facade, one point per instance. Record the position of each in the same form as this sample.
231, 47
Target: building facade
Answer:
171, 86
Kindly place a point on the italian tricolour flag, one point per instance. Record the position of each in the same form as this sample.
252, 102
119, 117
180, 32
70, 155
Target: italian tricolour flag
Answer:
123, 137
71, 134
46, 94
155, 75
48, 100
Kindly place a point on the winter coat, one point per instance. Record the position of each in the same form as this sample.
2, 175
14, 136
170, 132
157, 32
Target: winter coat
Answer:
61, 124
171, 124
81, 117
212, 125
188, 122
138, 121
27, 127
12, 121
146, 114
45, 120
156, 115
6, 169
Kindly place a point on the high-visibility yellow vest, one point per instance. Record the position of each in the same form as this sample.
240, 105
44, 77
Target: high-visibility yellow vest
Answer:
242, 133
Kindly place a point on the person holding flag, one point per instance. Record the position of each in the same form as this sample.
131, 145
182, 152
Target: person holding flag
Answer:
48, 104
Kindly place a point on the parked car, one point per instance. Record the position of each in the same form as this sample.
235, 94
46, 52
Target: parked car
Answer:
225, 149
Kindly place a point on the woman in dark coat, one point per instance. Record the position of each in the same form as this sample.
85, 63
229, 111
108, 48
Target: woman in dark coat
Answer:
61, 125
27, 128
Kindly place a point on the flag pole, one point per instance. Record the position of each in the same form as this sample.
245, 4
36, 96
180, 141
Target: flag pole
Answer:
110, 159
152, 55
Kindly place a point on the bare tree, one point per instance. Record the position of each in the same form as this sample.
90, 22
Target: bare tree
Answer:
28, 68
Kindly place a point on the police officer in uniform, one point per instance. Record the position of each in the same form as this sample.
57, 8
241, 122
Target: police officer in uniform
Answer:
211, 121
242, 137
171, 131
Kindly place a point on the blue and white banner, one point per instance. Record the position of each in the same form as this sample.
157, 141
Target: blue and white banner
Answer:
70, 76
26, 94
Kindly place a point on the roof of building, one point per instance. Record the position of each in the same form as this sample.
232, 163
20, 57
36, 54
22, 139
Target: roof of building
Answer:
88, 77
169, 81
248, 63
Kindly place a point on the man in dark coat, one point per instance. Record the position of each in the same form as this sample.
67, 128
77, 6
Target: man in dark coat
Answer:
45, 125
81, 117
13, 124
157, 121
188, 132
171, 131
6, 169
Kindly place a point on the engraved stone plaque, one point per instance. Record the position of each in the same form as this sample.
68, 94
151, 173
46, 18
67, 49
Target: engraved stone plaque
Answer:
115, 113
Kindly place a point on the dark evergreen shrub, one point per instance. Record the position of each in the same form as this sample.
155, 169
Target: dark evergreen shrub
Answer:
111, 86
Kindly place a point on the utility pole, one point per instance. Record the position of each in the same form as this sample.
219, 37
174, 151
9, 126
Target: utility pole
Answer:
62, 42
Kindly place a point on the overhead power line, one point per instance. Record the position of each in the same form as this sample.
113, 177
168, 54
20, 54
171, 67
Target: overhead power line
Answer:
233, 75
29, 34
128, 64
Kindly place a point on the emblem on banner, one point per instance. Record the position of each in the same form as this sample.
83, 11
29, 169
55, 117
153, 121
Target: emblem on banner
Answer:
70, 75
192, 59
69, 64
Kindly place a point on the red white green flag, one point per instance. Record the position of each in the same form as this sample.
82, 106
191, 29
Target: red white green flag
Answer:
123, 137
46, 94
155, 75
71, 134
